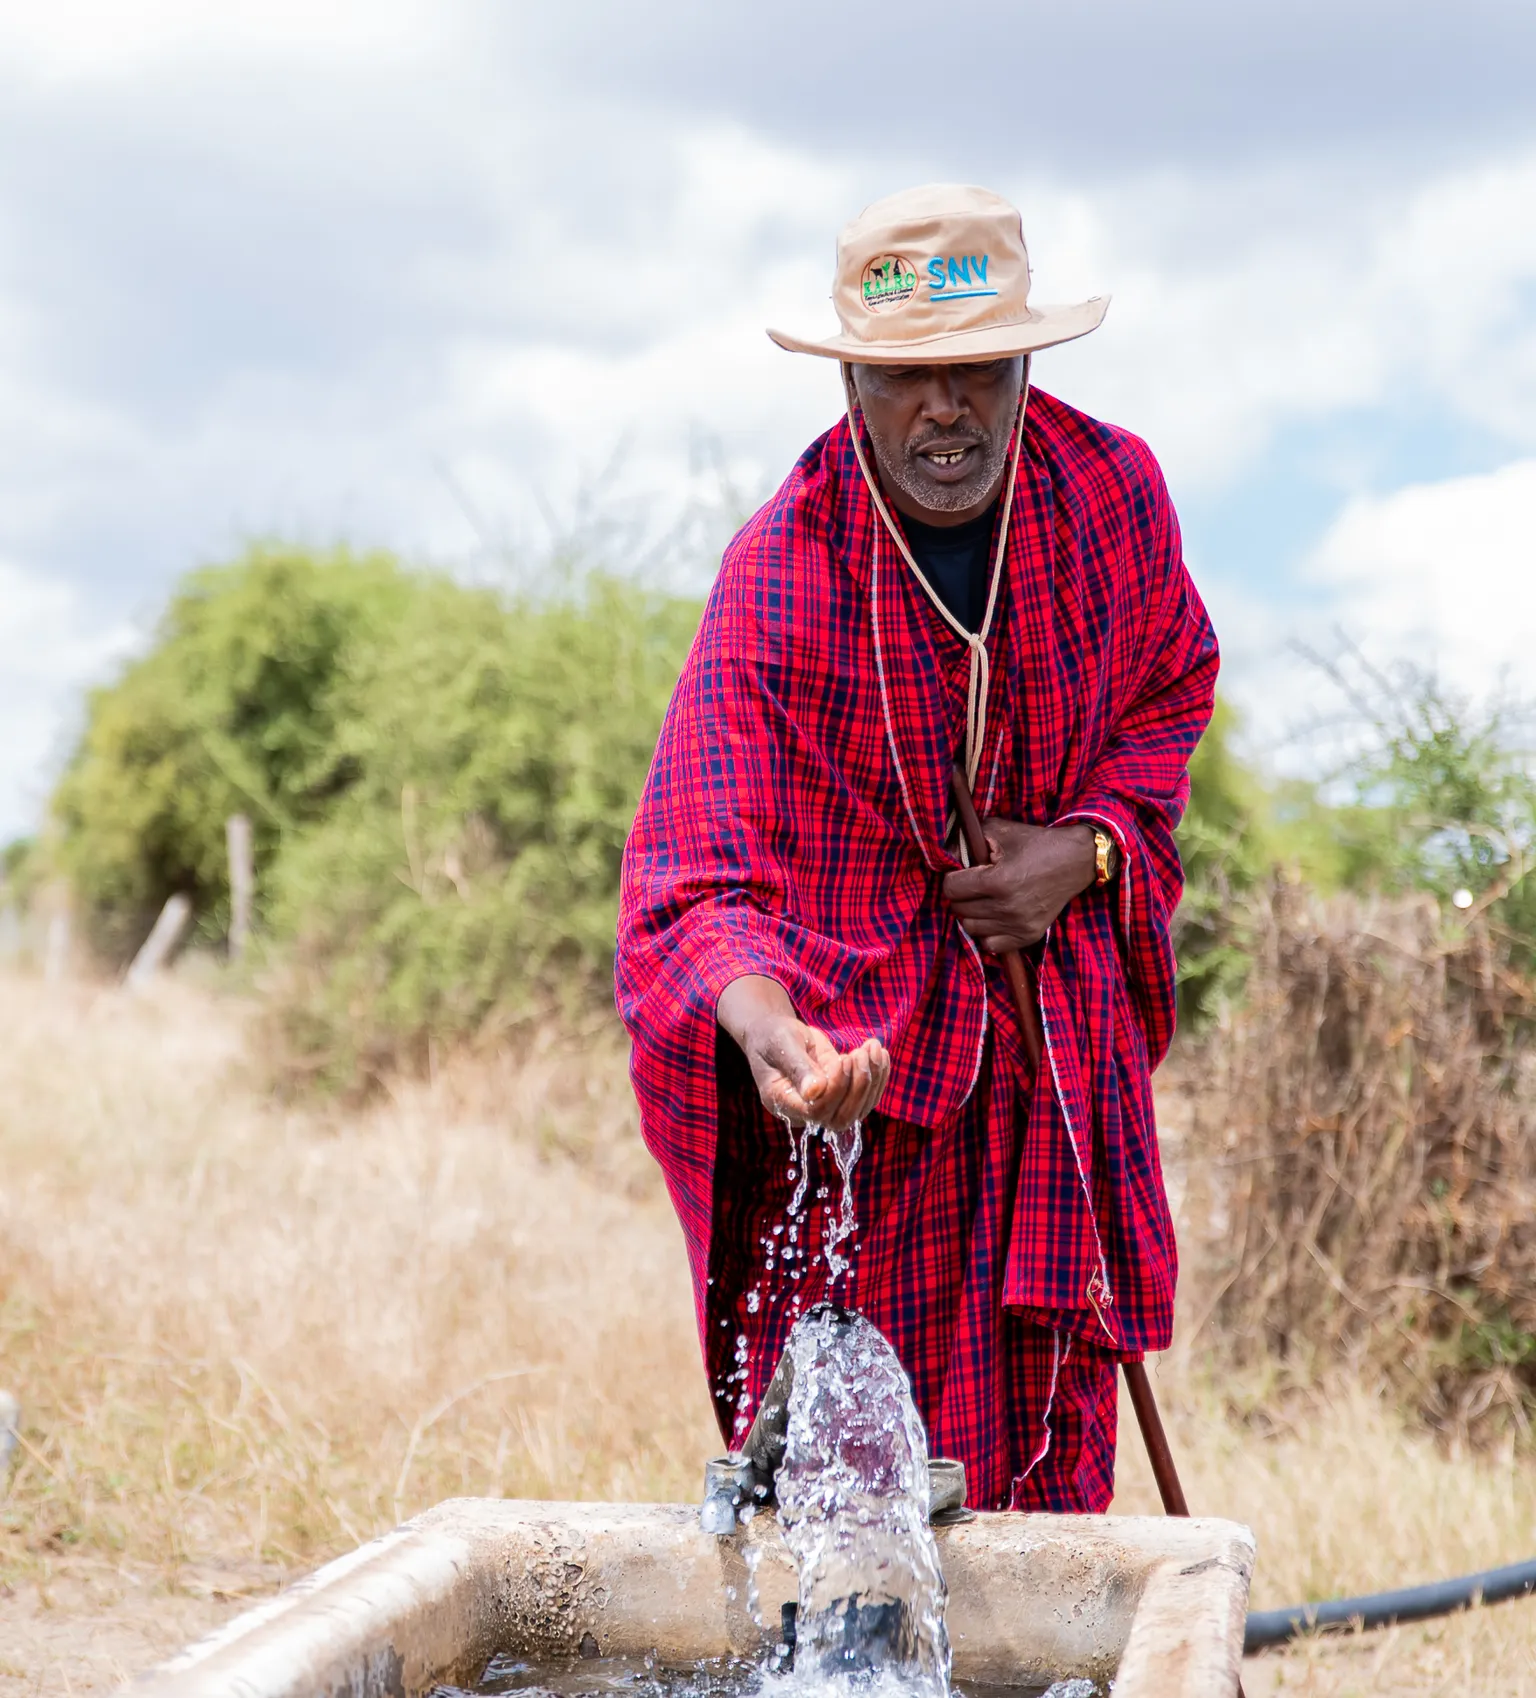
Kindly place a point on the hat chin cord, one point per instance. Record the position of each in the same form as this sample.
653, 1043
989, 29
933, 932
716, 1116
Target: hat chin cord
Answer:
979, 677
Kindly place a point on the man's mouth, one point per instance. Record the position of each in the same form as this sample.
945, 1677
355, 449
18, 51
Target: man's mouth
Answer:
948, 461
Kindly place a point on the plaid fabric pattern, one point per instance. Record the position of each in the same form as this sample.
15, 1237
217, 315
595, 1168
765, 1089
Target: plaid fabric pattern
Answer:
1029, 1409
1079, 1388
794, 825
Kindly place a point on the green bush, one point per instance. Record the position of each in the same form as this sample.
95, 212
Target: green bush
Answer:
440, 781
470, 874
1444, 797
1227, 848
19, 863
234, 709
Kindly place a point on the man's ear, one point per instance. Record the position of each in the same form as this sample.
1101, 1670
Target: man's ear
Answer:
850, 386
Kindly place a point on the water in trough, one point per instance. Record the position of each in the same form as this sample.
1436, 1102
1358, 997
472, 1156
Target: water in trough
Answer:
619, 1677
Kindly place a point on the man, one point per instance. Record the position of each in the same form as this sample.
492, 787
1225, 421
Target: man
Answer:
961, 570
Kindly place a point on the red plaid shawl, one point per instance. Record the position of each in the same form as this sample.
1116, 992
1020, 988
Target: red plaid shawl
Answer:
793, 825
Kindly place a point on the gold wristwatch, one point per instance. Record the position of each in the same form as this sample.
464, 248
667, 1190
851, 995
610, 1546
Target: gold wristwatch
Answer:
1106, 858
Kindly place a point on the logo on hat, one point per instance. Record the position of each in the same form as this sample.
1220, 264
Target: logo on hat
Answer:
959, 277
889, 282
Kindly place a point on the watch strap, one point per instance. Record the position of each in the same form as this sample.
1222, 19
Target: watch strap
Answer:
1106, 857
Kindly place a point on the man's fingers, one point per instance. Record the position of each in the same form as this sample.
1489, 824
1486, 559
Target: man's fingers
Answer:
810, 1082
851, 1087
830, 1086
992, 926
858, 1080
811, 1061
989, 905
841, 1107
879, 1072
966, 884
1008, 834
998, 933
865, 1081
781, 1098
797, 1073
978, 917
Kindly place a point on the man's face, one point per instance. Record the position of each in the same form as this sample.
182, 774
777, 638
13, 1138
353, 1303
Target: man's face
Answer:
941, 433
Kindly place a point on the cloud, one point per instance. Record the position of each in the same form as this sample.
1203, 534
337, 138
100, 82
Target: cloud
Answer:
113, 41
1178, 84
1186, 83
1442, 573
1246, 305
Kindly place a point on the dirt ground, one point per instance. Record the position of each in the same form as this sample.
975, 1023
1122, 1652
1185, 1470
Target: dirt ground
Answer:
247, 1335
85, 1630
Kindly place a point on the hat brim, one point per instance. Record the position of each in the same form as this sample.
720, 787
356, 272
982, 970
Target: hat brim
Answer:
1041, 327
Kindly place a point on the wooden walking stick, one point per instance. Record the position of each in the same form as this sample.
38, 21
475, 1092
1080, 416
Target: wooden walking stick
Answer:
1136, 1381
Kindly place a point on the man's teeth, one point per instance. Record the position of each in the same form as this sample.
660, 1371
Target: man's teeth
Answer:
948, 458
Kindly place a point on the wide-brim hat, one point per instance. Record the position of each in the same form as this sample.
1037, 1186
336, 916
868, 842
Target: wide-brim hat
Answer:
939, 275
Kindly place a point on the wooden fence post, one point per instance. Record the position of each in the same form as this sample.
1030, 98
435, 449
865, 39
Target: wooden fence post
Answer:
10, 931
10, 1431
56, 934
242, 882
156, 948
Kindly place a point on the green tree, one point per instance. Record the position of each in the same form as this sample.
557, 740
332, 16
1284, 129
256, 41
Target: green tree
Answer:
440, 778
1441, 794
470, 875
233, 708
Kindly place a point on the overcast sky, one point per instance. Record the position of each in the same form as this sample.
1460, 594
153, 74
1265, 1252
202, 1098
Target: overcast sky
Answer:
364, 271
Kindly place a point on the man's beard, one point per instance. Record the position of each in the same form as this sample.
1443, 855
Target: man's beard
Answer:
908, 476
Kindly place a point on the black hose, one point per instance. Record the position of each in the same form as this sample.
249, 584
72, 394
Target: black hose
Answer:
1382, 1609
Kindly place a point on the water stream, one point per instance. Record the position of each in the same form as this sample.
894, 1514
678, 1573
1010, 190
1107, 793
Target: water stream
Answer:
853, 1506
846, 1147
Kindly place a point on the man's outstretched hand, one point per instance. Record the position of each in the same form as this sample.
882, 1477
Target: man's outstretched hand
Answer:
1034, 873
800, 1075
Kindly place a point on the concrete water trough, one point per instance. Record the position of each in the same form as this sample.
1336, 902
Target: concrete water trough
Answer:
1158, 1605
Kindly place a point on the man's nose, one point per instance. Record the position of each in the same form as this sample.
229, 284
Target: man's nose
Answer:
943, 400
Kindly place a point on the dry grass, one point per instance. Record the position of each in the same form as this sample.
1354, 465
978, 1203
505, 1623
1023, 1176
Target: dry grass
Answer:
228, 1320
1344, 1500
1369, 1115
245, 1338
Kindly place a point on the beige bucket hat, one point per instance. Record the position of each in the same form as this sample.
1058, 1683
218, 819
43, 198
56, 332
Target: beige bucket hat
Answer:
939, 274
